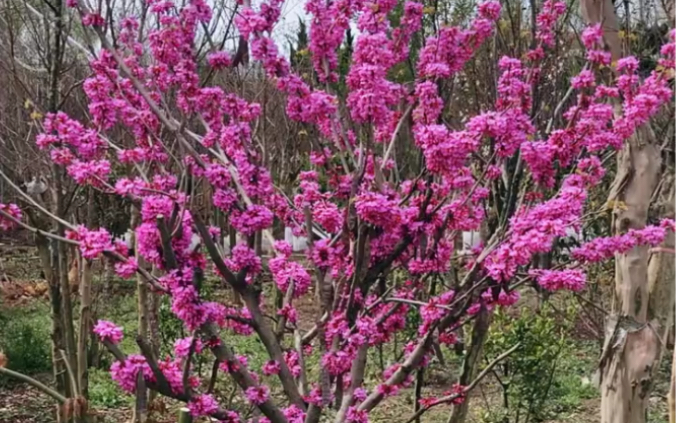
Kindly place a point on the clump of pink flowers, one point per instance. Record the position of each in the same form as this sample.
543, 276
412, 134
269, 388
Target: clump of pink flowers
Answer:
553, 280
14, 211
202, 405
257, 394
108, 331
604, 248
92, 243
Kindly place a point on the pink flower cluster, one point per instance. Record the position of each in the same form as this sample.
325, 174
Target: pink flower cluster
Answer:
92, 243
446, 53
125, 372
271, 367
126, 269
534, 230
458, 392
12, 210
202, 405
286, 272
410, 227
553, 280
257, 395
108, 331
551, 11
182, 347
604, 248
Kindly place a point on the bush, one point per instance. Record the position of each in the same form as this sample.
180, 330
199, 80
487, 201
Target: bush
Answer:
25, 340
104, 392
537, 382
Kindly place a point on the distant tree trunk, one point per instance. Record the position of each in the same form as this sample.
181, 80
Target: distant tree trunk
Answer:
85, 324
55, 55
85, 303
478, 337
154, 326
49, 267
140, 413
471, 362
662, 268
671, 395
232, 240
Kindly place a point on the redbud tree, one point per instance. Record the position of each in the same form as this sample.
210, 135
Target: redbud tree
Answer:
187, 131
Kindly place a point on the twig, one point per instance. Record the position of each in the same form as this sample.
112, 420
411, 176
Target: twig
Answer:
36, 230
167, 250
35, 203
212, 379
186, 368
147, 352
468, 388
395, 133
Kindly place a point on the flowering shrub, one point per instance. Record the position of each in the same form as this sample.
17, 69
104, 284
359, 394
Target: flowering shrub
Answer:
372, 225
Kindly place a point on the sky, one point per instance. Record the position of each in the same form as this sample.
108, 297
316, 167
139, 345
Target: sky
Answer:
288, 24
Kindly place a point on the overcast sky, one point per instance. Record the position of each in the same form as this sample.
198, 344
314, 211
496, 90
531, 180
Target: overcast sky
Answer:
288, 24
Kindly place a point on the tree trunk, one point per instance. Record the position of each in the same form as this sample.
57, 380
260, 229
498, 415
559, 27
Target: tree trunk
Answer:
60, 259
662, 269
85, 324
671, 395
472, 359
49, 267
140, 411
232, 240
63, 268
86, 317
631, 345
154, 326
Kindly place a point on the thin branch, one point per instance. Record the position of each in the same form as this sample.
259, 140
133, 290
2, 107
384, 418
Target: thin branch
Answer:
34, 383
69, 369
37, 231
35, 203
473, 384
404, 117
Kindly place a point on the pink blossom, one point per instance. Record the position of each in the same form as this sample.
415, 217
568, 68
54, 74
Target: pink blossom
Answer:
244, 258
288, 312
12, 210
234, 366
257, 394
125, 372
92, 242
552, 280
271, 367
93, 19
108, 331
255, 218
126, 269
604, 248
182, 347
294, 414
231, 417
592, 36
490, 10
89, 173
356, 416
219, 60
202, 405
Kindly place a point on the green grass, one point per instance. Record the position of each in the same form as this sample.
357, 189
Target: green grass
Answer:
104, 392
25, 338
